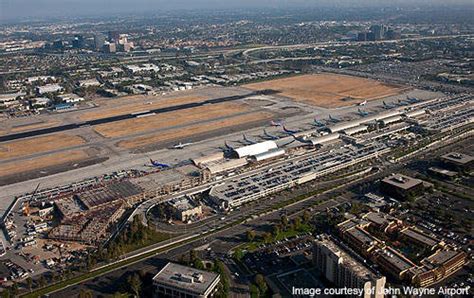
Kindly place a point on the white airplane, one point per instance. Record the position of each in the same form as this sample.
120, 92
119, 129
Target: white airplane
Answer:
363, 103
181, 145
276, 123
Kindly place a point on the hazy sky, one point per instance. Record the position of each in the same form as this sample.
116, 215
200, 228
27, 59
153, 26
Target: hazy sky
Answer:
18, 9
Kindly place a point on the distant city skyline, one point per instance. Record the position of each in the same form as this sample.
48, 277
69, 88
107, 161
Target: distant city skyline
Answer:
18, 9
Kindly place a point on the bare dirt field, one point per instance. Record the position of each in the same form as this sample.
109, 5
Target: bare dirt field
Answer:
130, 104
192, 130
42, 162
160, 121
39, 144
328, 90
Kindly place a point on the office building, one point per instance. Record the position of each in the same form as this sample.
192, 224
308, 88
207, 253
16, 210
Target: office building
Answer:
114, 36
58, 44
78, 42
176, 280
378, 31
421, 239
362, 36
99, 41
458, 161
437, 267
402, 187
110, 48
392, 262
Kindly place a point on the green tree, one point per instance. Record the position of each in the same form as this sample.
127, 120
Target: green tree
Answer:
284, 221
225, 283
14, 289
135, 284
42, 281
29, 282
306, 216
250, 235
297, 223
267, 237
192, 255
6, 293
85, 294
254, 291
238, 254
276, 230
261, 283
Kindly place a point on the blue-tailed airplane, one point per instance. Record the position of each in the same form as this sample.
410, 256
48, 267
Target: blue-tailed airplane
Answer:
333, 119
412, 99
248, 140
227, 146
362, 113
402, 103
319, 123
289, 131
388, 105
269, 136
156, 164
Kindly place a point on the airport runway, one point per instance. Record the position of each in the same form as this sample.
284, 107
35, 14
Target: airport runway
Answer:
61, 128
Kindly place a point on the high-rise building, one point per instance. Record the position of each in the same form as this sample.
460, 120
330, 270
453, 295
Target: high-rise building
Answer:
392, 34
379, 31
362, 36
114, 36
58, 44
125, 47
343, 270
99, 41
78, 42
110, 48
122, 39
